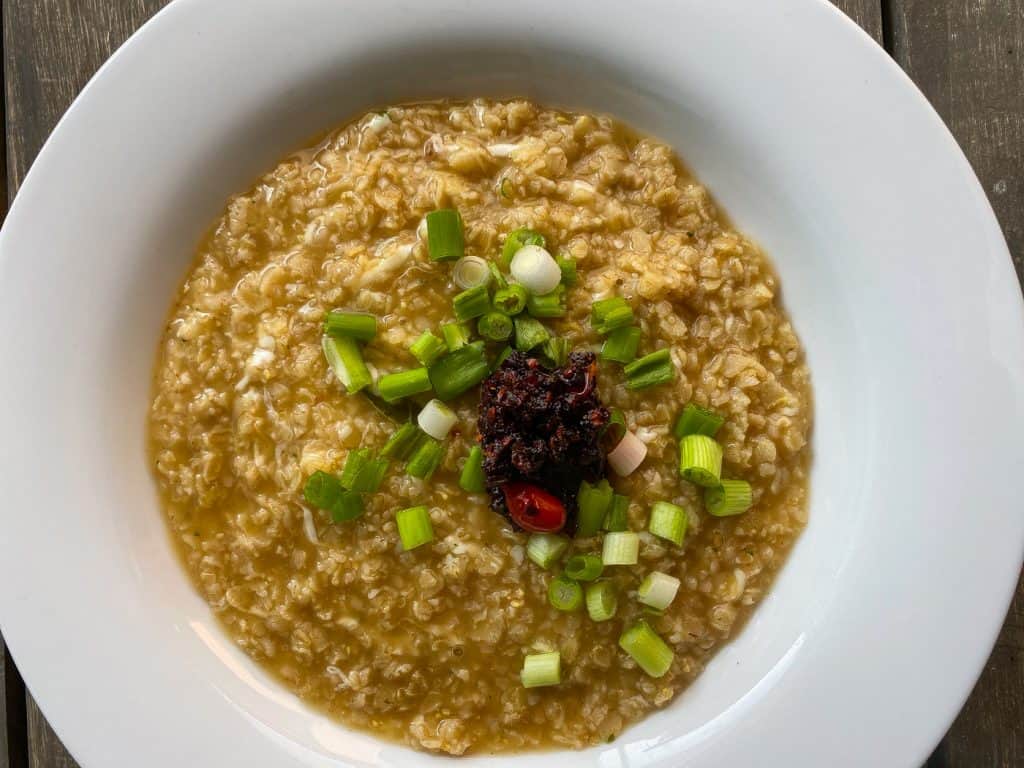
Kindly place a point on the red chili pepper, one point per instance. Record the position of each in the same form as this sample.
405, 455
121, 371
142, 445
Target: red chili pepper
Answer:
533, 508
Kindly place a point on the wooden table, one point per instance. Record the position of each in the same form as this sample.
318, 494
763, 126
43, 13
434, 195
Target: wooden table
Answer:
966, 55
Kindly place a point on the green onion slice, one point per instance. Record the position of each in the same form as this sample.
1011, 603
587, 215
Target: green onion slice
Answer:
586, 567
545, 548
471, 272
617, 518
593, 502
556, 351
621, 548
370, 476
568, 266
602, 600
730, 497
458, 371
395, 386
425, 458
361, 326
354, 463
658, 590
668, 522
650, 370
499, 279
511, 300
471, 303
549, 305
501, 358
437, 419
456, 336
529, 333
471, 479
322, 490
427, 348
608, 314
414, 527
565, 594
541, 669
647, 649
615, 429
695, 420
621, 345
700, 460
516, 239
349, 506
444, 235
495, 326
401, 444
346, 360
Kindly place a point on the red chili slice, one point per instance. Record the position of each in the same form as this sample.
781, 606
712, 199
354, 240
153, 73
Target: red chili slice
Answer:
534, 509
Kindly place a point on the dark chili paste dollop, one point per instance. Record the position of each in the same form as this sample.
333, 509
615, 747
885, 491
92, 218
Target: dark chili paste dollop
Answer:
542, 427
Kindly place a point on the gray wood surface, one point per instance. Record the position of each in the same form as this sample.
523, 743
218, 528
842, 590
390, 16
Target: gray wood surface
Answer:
966, 55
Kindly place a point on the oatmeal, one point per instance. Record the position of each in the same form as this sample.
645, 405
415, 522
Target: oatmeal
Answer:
426, 646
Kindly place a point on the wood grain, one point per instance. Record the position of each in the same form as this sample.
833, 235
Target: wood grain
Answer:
51, 49
968, 58
867, 14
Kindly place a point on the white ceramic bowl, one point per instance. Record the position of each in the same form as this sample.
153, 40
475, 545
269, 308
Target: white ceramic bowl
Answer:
893, 267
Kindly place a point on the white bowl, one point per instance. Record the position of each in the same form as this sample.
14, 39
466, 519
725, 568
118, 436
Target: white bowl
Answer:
894, 269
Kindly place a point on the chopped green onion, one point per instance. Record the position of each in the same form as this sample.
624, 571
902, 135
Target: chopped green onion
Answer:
541, 669
668, 522
529, 333
511, 300
700, 460
495, 326
370, 476
601, 600
399, 411
425, 457
593, 502
472, 478
456, 336
695, 420
322, 490
517, 239
620, 548
472, 303
354, 463
427, 348
345, 359
556, 350
615, 429
361, 326
402, 443
499, 279
545, 548
505, 188
348, 507
617, 518
621, 345
501, 358
649, 370
658, 590
585, 567
395, 386
608, 314
628, 455
549, 305
565, 594
414, 527
437, 419
535, 269
647, 649
444, 235
457, 371
568, 266
731, 497
471, 272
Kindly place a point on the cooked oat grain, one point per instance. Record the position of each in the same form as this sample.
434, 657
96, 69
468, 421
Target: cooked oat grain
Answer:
426, 646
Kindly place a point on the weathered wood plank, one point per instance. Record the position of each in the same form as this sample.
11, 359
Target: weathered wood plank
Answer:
968, 58
5, 758
867, 14
51, 49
